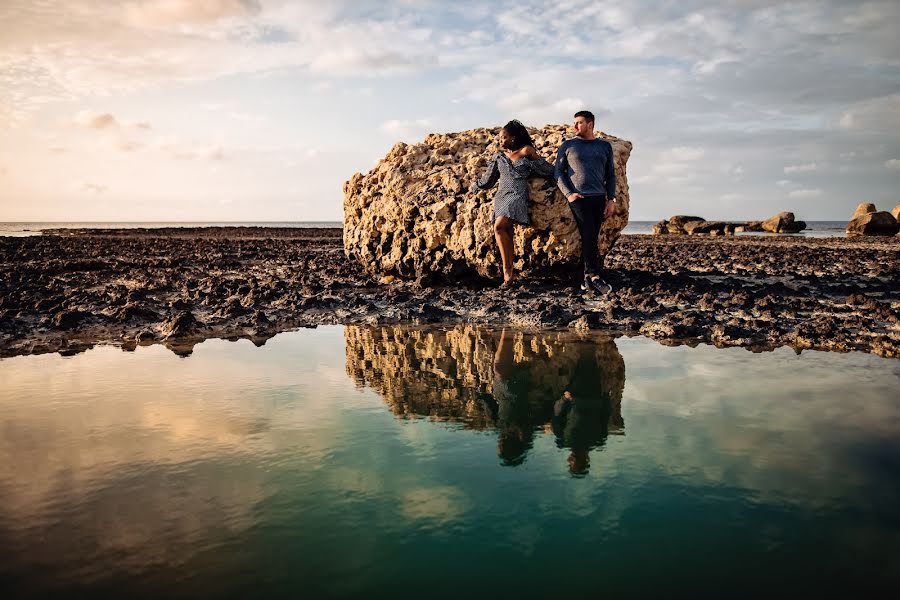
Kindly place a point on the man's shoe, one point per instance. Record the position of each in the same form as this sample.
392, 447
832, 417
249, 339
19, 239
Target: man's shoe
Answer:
600, 285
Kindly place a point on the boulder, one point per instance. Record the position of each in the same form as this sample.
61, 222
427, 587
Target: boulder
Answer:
708, 227
412, 215
752, 226
676, 225
874, 223
783, 223
661, 228
896, 213
863, 209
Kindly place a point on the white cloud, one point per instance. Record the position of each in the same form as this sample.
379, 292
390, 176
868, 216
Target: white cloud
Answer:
93, 188
683, 153
94, 120
784, 182
405, 128
893, 164
803, 168
805, 193
153, 14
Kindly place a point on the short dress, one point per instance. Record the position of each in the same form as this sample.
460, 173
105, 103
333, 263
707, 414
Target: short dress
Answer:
512, 198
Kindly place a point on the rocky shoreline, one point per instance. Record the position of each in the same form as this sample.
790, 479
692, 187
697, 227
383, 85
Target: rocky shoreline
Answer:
68, 290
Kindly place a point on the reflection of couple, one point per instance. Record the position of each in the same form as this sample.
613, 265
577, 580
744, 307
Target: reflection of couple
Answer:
588, 407
585, 174
581, 418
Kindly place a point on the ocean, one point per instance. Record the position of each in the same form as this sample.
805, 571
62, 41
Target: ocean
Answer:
815, 228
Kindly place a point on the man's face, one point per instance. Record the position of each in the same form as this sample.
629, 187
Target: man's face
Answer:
582, 127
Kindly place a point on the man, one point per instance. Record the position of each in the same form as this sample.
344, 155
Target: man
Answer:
585, 172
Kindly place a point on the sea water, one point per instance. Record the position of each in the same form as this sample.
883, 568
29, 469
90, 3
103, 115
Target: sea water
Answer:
441, 461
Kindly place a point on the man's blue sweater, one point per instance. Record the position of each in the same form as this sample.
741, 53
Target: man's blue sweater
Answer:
586, 167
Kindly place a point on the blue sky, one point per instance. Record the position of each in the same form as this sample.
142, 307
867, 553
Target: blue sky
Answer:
261, 109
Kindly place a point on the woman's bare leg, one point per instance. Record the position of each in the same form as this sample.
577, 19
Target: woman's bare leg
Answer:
503, 232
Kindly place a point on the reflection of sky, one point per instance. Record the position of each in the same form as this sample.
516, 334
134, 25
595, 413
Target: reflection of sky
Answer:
143, 461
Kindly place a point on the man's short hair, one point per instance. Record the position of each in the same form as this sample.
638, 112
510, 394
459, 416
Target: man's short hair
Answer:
588, 115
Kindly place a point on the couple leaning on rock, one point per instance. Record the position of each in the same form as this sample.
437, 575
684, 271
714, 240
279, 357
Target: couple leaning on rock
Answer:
585, 174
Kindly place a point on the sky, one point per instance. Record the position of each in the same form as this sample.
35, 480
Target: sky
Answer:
259, 110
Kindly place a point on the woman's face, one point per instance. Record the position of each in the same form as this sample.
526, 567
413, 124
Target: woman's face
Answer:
506, 140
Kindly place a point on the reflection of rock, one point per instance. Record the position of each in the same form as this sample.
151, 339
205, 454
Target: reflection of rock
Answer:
412, 216
479, 377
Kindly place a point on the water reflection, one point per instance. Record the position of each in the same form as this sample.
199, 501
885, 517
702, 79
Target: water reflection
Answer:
513, 382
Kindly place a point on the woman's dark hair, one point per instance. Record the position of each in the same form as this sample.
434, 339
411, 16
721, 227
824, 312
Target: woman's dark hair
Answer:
519, 134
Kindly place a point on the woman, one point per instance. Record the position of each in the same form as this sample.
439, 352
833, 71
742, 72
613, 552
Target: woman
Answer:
512, 167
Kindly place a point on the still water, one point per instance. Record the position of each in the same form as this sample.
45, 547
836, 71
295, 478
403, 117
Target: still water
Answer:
358, 461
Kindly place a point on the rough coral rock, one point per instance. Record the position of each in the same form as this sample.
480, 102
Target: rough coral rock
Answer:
412, 216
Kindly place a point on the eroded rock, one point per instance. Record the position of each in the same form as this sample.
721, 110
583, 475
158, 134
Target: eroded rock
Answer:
783, 223
412, 216
874, 223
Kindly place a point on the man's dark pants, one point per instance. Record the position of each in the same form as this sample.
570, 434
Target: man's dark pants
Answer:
588, 212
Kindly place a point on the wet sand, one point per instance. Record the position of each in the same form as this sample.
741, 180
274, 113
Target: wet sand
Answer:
70, 289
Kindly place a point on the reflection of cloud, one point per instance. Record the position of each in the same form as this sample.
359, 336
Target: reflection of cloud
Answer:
439, 503
779, 436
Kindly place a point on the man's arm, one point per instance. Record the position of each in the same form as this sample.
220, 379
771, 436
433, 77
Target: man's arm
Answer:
561, 172
610, 175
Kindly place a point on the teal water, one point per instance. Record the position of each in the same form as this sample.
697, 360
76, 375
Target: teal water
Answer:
409, 462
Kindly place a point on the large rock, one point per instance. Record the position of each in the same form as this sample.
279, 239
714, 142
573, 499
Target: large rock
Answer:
874, 223
896, 213
863, 209
783, 223
412, 216
676, 225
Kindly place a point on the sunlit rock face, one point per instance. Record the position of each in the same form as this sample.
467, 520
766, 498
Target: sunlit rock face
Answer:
413, 214
513, 382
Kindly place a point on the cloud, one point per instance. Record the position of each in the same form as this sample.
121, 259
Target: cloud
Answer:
805, 193
153, 14
682, 153
93, 120
784, 182
804, 168
406, 128
93, 188
893, 164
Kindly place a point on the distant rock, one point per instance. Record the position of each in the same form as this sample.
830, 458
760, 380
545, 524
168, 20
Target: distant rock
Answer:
661, 228
783, 223
873, 223
676, 225
896, 213
412, 216
709, 227
863, 209
751, 226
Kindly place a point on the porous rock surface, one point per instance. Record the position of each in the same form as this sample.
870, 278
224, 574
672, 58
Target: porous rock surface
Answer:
412, 216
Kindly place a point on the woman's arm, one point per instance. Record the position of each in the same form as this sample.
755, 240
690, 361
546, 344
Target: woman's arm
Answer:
490, 177
540, 166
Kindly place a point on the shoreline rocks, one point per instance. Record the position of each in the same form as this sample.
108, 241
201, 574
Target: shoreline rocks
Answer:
867, 220
685, 225
66, 293
413, 217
